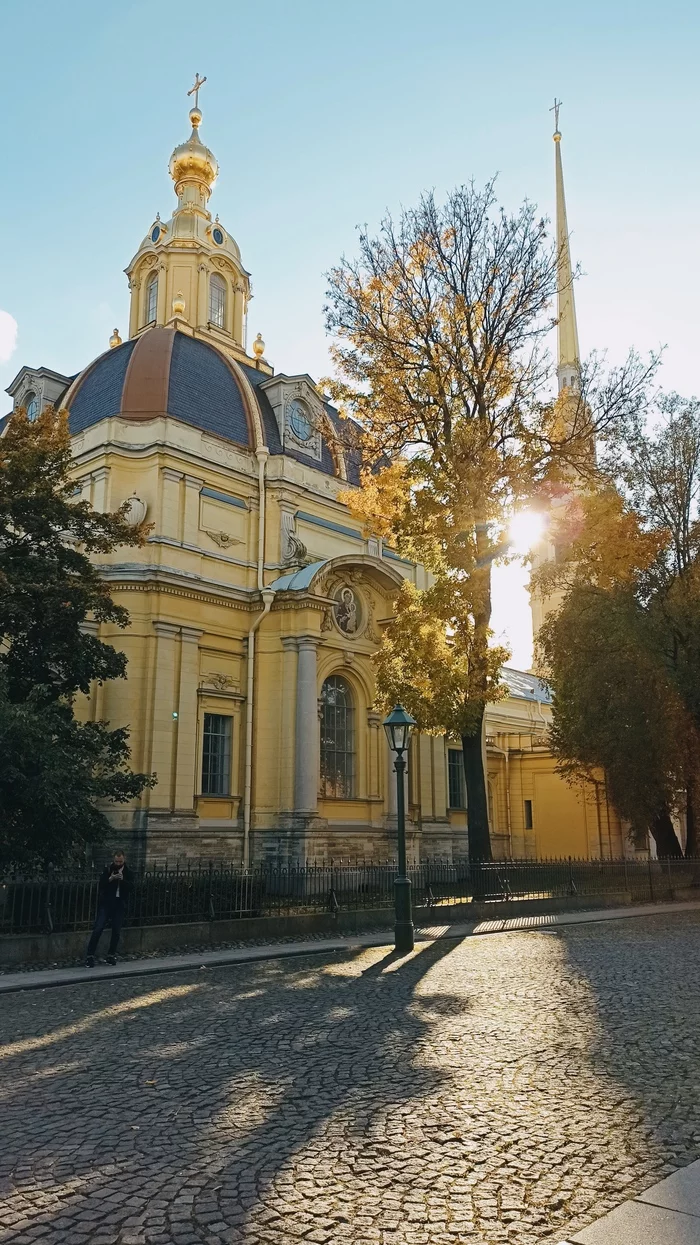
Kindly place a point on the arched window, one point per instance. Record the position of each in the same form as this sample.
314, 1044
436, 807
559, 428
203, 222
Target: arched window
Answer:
151, 298
31, 405
337, 739
217, 301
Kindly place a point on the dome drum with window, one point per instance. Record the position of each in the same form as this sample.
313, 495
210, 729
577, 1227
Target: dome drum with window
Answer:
217, 301
151, 299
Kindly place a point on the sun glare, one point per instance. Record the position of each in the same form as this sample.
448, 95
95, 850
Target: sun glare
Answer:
526, 528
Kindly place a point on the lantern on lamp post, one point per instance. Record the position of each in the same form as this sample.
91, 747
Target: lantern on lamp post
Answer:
398, 727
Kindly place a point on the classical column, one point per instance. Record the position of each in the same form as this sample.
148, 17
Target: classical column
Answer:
374, 722
186, 751
306, 754
202, 296
287, 758
135, 287
391, 791
391, 784
162, 309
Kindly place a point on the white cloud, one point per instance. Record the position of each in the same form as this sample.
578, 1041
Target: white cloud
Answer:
8, 335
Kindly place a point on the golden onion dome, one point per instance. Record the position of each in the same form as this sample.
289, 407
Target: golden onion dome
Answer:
192, 161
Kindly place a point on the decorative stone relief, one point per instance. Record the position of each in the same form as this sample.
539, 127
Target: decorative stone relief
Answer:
224, 540
293, 550
371, 631
137, 511
222, 682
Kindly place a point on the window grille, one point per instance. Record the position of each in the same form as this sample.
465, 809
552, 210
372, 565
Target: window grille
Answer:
217, 301
455, 779
152, 299
337, 739
216, 754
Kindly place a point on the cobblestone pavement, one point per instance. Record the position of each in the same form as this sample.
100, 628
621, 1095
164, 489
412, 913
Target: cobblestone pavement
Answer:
502, 1089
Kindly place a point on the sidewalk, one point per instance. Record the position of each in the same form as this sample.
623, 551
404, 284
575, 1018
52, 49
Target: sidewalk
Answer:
666, 1214
41, 979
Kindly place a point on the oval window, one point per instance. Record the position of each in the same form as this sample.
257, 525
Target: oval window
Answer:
299, 421
218, 236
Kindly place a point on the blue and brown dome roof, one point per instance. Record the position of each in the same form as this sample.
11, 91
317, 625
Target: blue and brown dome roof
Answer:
165, 372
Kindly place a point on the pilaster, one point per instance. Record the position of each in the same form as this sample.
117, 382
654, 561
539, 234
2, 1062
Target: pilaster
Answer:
100, 489
169, 518
186, 745
193, 486
164, 729
162, 308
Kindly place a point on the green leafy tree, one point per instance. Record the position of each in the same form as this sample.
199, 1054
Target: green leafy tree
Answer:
439, 328
53, 768
428, 662
623, 651
55, 774
616, 710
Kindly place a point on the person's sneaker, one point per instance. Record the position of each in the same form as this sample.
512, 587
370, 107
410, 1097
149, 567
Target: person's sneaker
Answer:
90, 961
111, 959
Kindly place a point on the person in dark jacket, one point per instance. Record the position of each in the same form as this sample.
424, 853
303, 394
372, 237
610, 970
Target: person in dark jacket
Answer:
112, 894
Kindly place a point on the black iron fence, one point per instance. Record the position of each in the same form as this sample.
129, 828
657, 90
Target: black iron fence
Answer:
214, 891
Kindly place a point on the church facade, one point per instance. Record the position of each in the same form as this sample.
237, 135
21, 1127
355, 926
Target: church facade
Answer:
257, 601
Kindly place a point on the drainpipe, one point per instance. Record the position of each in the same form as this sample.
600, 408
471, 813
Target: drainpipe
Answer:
506, 754
268, 596
262, 454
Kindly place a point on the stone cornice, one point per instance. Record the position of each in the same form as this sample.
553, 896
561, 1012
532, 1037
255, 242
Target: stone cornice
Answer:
136, 578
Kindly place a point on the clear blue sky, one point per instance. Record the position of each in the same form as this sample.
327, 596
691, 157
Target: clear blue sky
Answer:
324, 114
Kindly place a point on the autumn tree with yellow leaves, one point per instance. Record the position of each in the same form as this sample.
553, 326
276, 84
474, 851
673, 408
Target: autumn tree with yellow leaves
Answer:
623, 650
438, 330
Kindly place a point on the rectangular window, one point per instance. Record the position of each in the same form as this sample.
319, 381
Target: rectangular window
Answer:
528, 814
216, 754
455, 779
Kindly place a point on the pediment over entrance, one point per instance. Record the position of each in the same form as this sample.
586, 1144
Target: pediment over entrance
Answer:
353, 588
318, 575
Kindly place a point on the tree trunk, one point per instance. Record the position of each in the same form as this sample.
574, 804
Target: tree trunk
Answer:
472, 752
691, 830
665, 836
477, 803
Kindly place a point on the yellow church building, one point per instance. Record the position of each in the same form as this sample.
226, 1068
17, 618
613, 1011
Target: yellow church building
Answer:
257, 602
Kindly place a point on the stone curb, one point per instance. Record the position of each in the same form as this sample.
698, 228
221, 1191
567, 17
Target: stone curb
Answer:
668, 1213
44, 979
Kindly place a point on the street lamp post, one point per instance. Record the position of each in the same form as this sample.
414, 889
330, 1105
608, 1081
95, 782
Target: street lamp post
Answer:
398, 728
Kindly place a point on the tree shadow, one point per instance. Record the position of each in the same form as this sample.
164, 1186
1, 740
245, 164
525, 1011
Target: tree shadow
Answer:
201, 1101
639, 980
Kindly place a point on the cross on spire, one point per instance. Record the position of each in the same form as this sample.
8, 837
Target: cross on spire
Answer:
555, 110
198, 82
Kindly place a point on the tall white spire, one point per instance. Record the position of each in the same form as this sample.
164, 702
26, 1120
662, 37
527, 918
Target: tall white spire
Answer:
568, 356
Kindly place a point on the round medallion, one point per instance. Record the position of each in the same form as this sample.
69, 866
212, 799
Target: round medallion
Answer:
299, 421
155, 233
347, 611
218, 236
